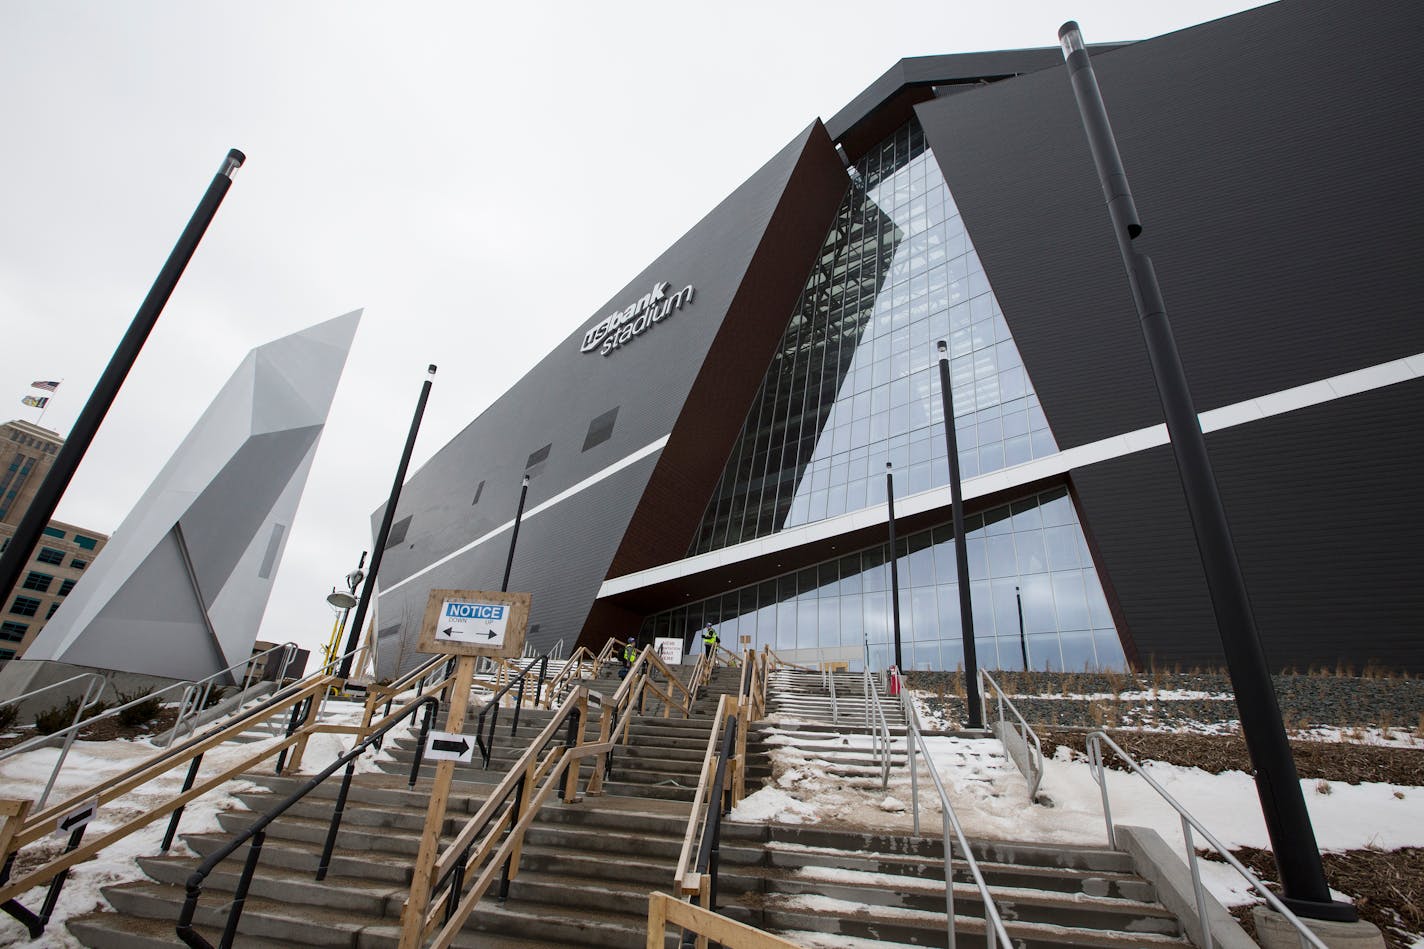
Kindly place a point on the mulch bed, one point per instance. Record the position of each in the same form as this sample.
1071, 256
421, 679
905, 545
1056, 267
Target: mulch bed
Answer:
105, 730
1386, 885
1332, 761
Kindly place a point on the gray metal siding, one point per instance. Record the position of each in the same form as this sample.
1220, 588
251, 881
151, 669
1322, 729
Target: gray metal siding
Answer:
1274, 156
1323, 507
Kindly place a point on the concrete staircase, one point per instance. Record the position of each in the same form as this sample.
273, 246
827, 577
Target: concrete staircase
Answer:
583, 881
588, 866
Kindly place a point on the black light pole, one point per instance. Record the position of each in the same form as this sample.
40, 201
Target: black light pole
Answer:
1287, 821
1023, 643
41, 509
961, 551
514, 537
385, 532
894, 567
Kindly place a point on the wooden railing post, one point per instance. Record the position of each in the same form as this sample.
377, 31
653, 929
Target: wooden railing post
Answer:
294, 766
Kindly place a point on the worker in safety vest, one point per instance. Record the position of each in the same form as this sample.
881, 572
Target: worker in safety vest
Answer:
628, 656
709, 640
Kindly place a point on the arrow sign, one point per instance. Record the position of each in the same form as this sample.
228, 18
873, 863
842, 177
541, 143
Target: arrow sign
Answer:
77, 818
449, 746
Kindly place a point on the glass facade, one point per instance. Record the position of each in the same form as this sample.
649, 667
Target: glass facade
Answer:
1033, 588
854, 383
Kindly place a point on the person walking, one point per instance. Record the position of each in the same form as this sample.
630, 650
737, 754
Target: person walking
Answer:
709, 640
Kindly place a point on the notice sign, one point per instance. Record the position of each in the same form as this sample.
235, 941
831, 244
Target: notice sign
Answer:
474, 623
466, 622
669, 649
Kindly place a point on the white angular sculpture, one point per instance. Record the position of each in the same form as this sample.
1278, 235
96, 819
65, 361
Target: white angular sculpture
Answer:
180, 589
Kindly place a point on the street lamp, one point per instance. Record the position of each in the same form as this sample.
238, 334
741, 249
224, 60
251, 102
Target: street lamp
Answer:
344, 602
1282, 803
385, 532
961, 551
894, 566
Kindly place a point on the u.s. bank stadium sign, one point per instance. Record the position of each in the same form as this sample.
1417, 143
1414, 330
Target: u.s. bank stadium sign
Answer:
620, 327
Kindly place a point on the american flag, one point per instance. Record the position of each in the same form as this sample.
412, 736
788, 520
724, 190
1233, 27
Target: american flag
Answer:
43, 384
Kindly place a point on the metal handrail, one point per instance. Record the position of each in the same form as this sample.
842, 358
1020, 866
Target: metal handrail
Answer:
90, 698
195, 693
830, 683
491, 707
876, 724
256, 832
1095, 763
994, 928
1032, 768
29, 695
508, 810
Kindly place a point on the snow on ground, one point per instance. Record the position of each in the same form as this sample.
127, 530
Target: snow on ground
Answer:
990, 798
24, 775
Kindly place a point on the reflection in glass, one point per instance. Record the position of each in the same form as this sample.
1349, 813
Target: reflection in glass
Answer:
1041, 594
853, 384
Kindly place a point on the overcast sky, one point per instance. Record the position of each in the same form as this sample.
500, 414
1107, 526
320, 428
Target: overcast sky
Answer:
479, 177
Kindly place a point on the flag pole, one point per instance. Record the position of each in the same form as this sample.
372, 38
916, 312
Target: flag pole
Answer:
51, 489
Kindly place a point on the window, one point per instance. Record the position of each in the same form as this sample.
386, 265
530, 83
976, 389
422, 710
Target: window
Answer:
25, 606
398, 530
38, 581
6, 654
479, 489
54, 532
539, 456
88, 543
53, 608
78, 564
600, 429
50, 555
66, 586
13, 632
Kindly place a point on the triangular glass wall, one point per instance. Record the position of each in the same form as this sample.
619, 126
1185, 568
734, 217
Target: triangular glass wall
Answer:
852, 384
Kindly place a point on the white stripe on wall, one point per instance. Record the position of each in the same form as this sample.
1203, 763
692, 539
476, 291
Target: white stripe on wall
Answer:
538, 509
1229, 416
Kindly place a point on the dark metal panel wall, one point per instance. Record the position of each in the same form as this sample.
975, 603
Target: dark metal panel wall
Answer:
1323, 507
648, 381
1274, 158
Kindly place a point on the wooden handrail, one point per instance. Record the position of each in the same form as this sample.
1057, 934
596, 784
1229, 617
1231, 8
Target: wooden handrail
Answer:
483, 835
663, 909
682, 880
41, 824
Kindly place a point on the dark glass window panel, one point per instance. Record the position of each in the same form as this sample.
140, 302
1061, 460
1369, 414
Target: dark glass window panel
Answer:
538, 456
66, 586
78, 564
49, 555
54, 532
600, 429
479, 490
13, 632
88, 543
398, 531
34, 580
25, 606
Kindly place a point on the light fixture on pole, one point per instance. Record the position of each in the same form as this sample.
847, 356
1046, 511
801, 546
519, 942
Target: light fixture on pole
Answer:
343, 603
1288, 824
961, 554
385, 532
27, 533
894, 568
514, 537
